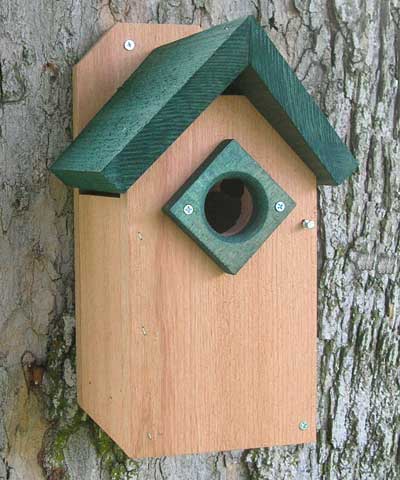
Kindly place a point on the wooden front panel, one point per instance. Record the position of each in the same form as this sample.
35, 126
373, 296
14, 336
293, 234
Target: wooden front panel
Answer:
228, 361
104, 328
194, 359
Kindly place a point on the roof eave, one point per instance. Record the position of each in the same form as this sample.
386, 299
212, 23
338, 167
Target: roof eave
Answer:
237, 53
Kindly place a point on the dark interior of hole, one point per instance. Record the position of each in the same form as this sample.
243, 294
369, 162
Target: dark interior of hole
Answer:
225, 203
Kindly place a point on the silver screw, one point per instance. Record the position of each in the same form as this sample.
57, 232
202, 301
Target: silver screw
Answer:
303, 425
280, 206
308, 224
188, 209
129, 45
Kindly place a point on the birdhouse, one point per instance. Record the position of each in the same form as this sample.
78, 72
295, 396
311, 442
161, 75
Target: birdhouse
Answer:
195, 164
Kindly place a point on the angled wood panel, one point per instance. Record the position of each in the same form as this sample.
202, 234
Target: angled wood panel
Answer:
104, 382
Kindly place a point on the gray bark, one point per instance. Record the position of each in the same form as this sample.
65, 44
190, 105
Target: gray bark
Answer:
347, 54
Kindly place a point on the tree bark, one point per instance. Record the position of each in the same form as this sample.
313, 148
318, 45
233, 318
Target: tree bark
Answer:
347, 54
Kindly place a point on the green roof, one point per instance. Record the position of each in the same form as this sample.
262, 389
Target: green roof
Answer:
175, 84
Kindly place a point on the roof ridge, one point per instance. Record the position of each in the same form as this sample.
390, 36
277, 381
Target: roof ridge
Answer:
175, 83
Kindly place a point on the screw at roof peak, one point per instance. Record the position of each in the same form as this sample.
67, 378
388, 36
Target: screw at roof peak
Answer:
129, 45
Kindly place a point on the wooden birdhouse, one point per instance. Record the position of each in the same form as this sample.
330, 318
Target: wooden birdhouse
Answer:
195, 166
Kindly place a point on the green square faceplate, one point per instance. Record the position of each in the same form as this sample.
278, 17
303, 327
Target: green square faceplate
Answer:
267, 206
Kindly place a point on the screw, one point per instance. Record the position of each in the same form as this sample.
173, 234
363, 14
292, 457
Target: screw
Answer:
303, 425
280, 206
308, 224
129, 45
188, 209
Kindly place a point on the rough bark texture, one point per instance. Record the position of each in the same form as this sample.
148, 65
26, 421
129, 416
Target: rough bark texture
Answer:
347, 54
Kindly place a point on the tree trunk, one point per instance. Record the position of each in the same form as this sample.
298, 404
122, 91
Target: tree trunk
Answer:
347, 54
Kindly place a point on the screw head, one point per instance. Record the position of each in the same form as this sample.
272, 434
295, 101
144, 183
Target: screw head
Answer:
280, 206
129, 45
188, 209
308, 224
303, 425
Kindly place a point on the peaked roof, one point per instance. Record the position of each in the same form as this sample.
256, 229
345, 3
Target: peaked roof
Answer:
170, 89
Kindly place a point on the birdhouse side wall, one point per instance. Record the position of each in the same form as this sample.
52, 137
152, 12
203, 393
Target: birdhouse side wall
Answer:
103, 316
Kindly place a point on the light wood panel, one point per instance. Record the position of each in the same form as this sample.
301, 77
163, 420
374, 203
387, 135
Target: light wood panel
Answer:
95, 79
174, 355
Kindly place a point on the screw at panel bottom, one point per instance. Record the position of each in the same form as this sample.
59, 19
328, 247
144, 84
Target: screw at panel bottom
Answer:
303, 425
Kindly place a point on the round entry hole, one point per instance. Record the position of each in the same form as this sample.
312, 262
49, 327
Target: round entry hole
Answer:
229, 206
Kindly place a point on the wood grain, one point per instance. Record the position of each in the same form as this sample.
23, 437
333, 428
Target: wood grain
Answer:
175, 356
95, 79
175, 83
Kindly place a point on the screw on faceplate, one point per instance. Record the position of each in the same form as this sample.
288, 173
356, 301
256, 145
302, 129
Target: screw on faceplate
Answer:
308, 224
188, 209
303, 425
129, 45
280, 206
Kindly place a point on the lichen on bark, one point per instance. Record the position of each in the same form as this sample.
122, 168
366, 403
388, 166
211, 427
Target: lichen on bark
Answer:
346, 53
74, 446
